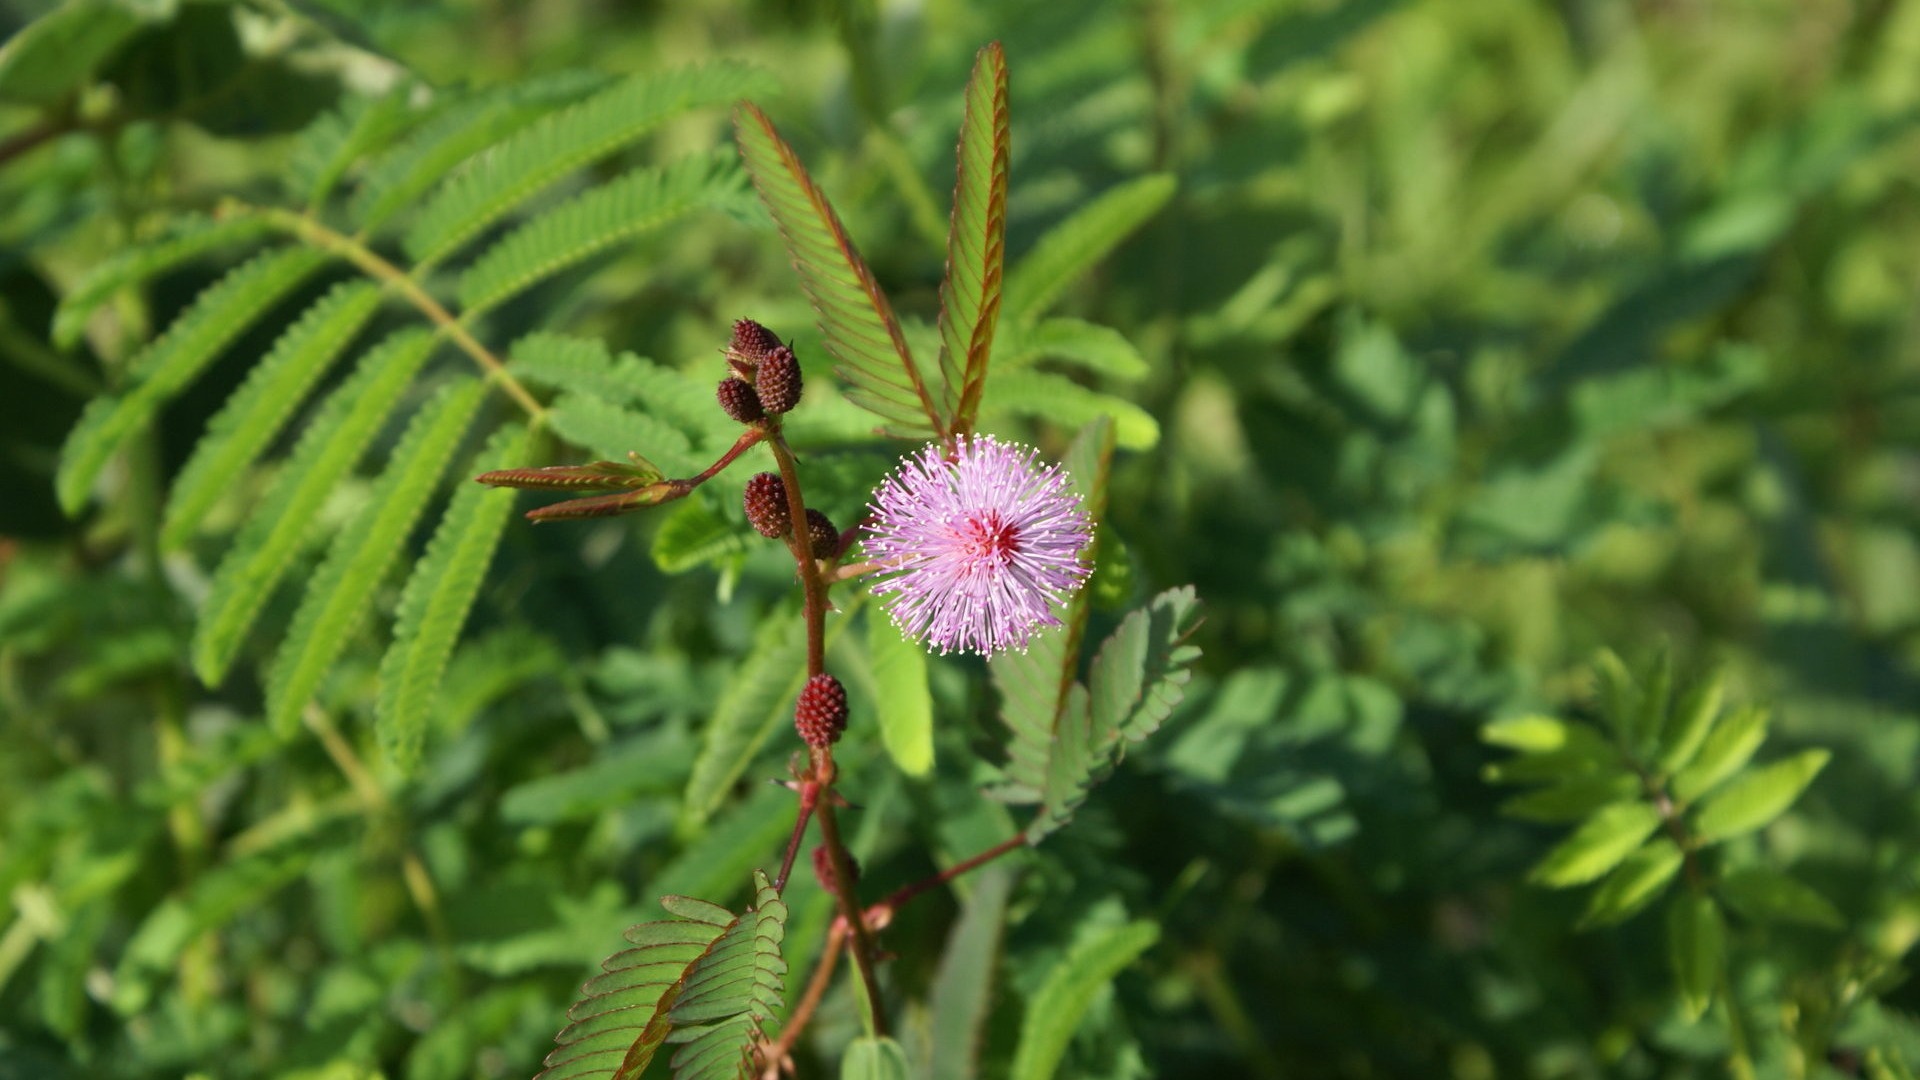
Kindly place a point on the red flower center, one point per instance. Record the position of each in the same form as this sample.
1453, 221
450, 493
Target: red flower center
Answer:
987, 536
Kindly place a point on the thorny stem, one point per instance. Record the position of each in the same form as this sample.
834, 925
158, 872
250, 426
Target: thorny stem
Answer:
809, 796
372, 264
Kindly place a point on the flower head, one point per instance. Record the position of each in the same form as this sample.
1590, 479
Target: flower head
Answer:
982, 546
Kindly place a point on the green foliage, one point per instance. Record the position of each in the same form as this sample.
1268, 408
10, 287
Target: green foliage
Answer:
1440, 346
1625, 787
856, 319
708, 982
962, 989
1069, 992
171, 362
550, 148
364, 551
440, 592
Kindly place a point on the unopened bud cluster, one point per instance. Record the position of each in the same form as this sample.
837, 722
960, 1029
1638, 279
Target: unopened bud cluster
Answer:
766, 375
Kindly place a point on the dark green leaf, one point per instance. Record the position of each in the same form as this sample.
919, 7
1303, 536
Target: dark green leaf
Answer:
1764, 894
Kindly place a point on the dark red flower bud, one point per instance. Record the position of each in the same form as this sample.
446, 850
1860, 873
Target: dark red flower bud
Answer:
751, 342
766, 505
738, 400
821, 714
778, 381
823, 867
822, 537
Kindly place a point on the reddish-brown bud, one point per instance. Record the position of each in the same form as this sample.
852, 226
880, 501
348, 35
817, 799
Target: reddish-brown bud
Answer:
822, 537
821, 713
751, 342
823, 867
778, 381
738, 400
766, 505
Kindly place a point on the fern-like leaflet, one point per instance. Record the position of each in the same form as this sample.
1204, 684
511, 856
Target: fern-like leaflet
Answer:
467, 164
708, 982
855, 316
976, 239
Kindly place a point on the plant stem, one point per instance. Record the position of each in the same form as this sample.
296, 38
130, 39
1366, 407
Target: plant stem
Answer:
814, 591
371, 263
907, 892
809, 796
851, 911
803, 561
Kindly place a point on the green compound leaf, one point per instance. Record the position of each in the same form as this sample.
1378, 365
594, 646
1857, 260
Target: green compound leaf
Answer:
1753, 800
1042, 394
1072, 247
855, 317
55, 54
1726, 750
707, 982
612, 432
257, 411
1696, 949
906, 703
184, 238
693, 535
336, 140
1635, 883
439, 594
870, 1058
1764, 894
341, 592
556, 145
1137, 678
397, 179
165, 368
1597, 846
976, 240
282, 526
1099, 350
1068, 993
592, 222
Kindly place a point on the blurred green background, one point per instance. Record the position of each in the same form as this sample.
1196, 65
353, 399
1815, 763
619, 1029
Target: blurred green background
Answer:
1476, 336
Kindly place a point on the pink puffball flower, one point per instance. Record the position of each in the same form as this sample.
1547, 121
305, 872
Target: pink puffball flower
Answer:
982, 546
